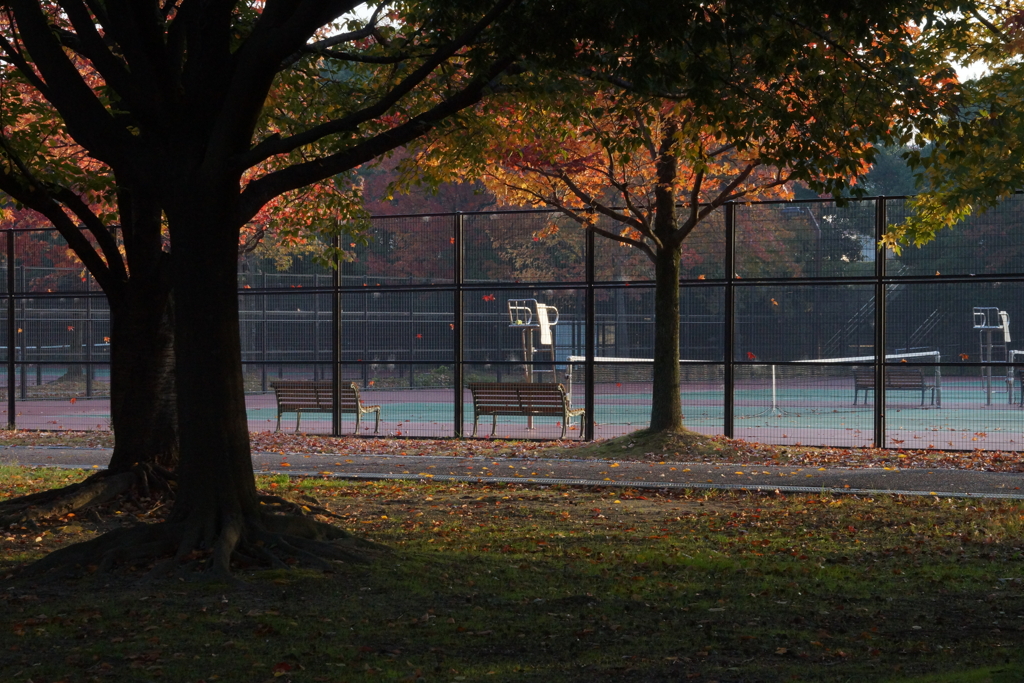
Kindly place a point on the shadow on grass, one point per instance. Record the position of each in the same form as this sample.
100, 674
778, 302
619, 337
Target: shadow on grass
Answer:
507, 583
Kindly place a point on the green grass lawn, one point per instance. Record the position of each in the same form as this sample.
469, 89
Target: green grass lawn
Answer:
508, 583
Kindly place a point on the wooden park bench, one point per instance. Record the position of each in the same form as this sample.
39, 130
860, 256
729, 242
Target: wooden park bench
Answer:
896, 379
316, 396
518, 398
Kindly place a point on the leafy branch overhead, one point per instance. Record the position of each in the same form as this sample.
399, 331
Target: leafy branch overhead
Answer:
968, 155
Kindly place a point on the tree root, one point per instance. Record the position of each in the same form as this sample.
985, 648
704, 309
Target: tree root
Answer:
311, 506
140, 483
179, 548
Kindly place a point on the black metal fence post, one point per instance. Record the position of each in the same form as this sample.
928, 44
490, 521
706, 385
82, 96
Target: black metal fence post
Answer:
457, 350
729, 400
879, 426
12, 332
591, 331
336, 338
88, 340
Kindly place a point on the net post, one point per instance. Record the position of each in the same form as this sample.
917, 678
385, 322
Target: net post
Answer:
879, 417
589, 325
729, 399
457, 342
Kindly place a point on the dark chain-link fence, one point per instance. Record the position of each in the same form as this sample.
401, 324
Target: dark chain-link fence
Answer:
785, 308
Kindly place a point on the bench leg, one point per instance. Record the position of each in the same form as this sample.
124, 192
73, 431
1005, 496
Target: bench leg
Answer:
494, 424
476, 420
278, 428
298, 417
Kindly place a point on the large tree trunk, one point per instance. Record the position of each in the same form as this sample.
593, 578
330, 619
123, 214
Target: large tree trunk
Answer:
666, 406
143, 408
218, 516
217, 485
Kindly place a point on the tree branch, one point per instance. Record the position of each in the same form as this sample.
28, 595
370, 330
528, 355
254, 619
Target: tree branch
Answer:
321, 46
636, 223
695, 188
88, 121
96, 227
397, 58
277, 145
988, 24
13, 55
578, 215
260, 191
627, 196
37, 198
87, 42
728, 193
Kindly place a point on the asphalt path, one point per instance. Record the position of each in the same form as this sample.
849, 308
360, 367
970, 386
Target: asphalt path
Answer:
669, 475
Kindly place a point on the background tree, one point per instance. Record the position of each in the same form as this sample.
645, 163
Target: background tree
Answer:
647, 171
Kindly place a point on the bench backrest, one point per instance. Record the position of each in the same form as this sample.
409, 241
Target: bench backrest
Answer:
899, 378
313, 395
540, 398
863, 377
895, 378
